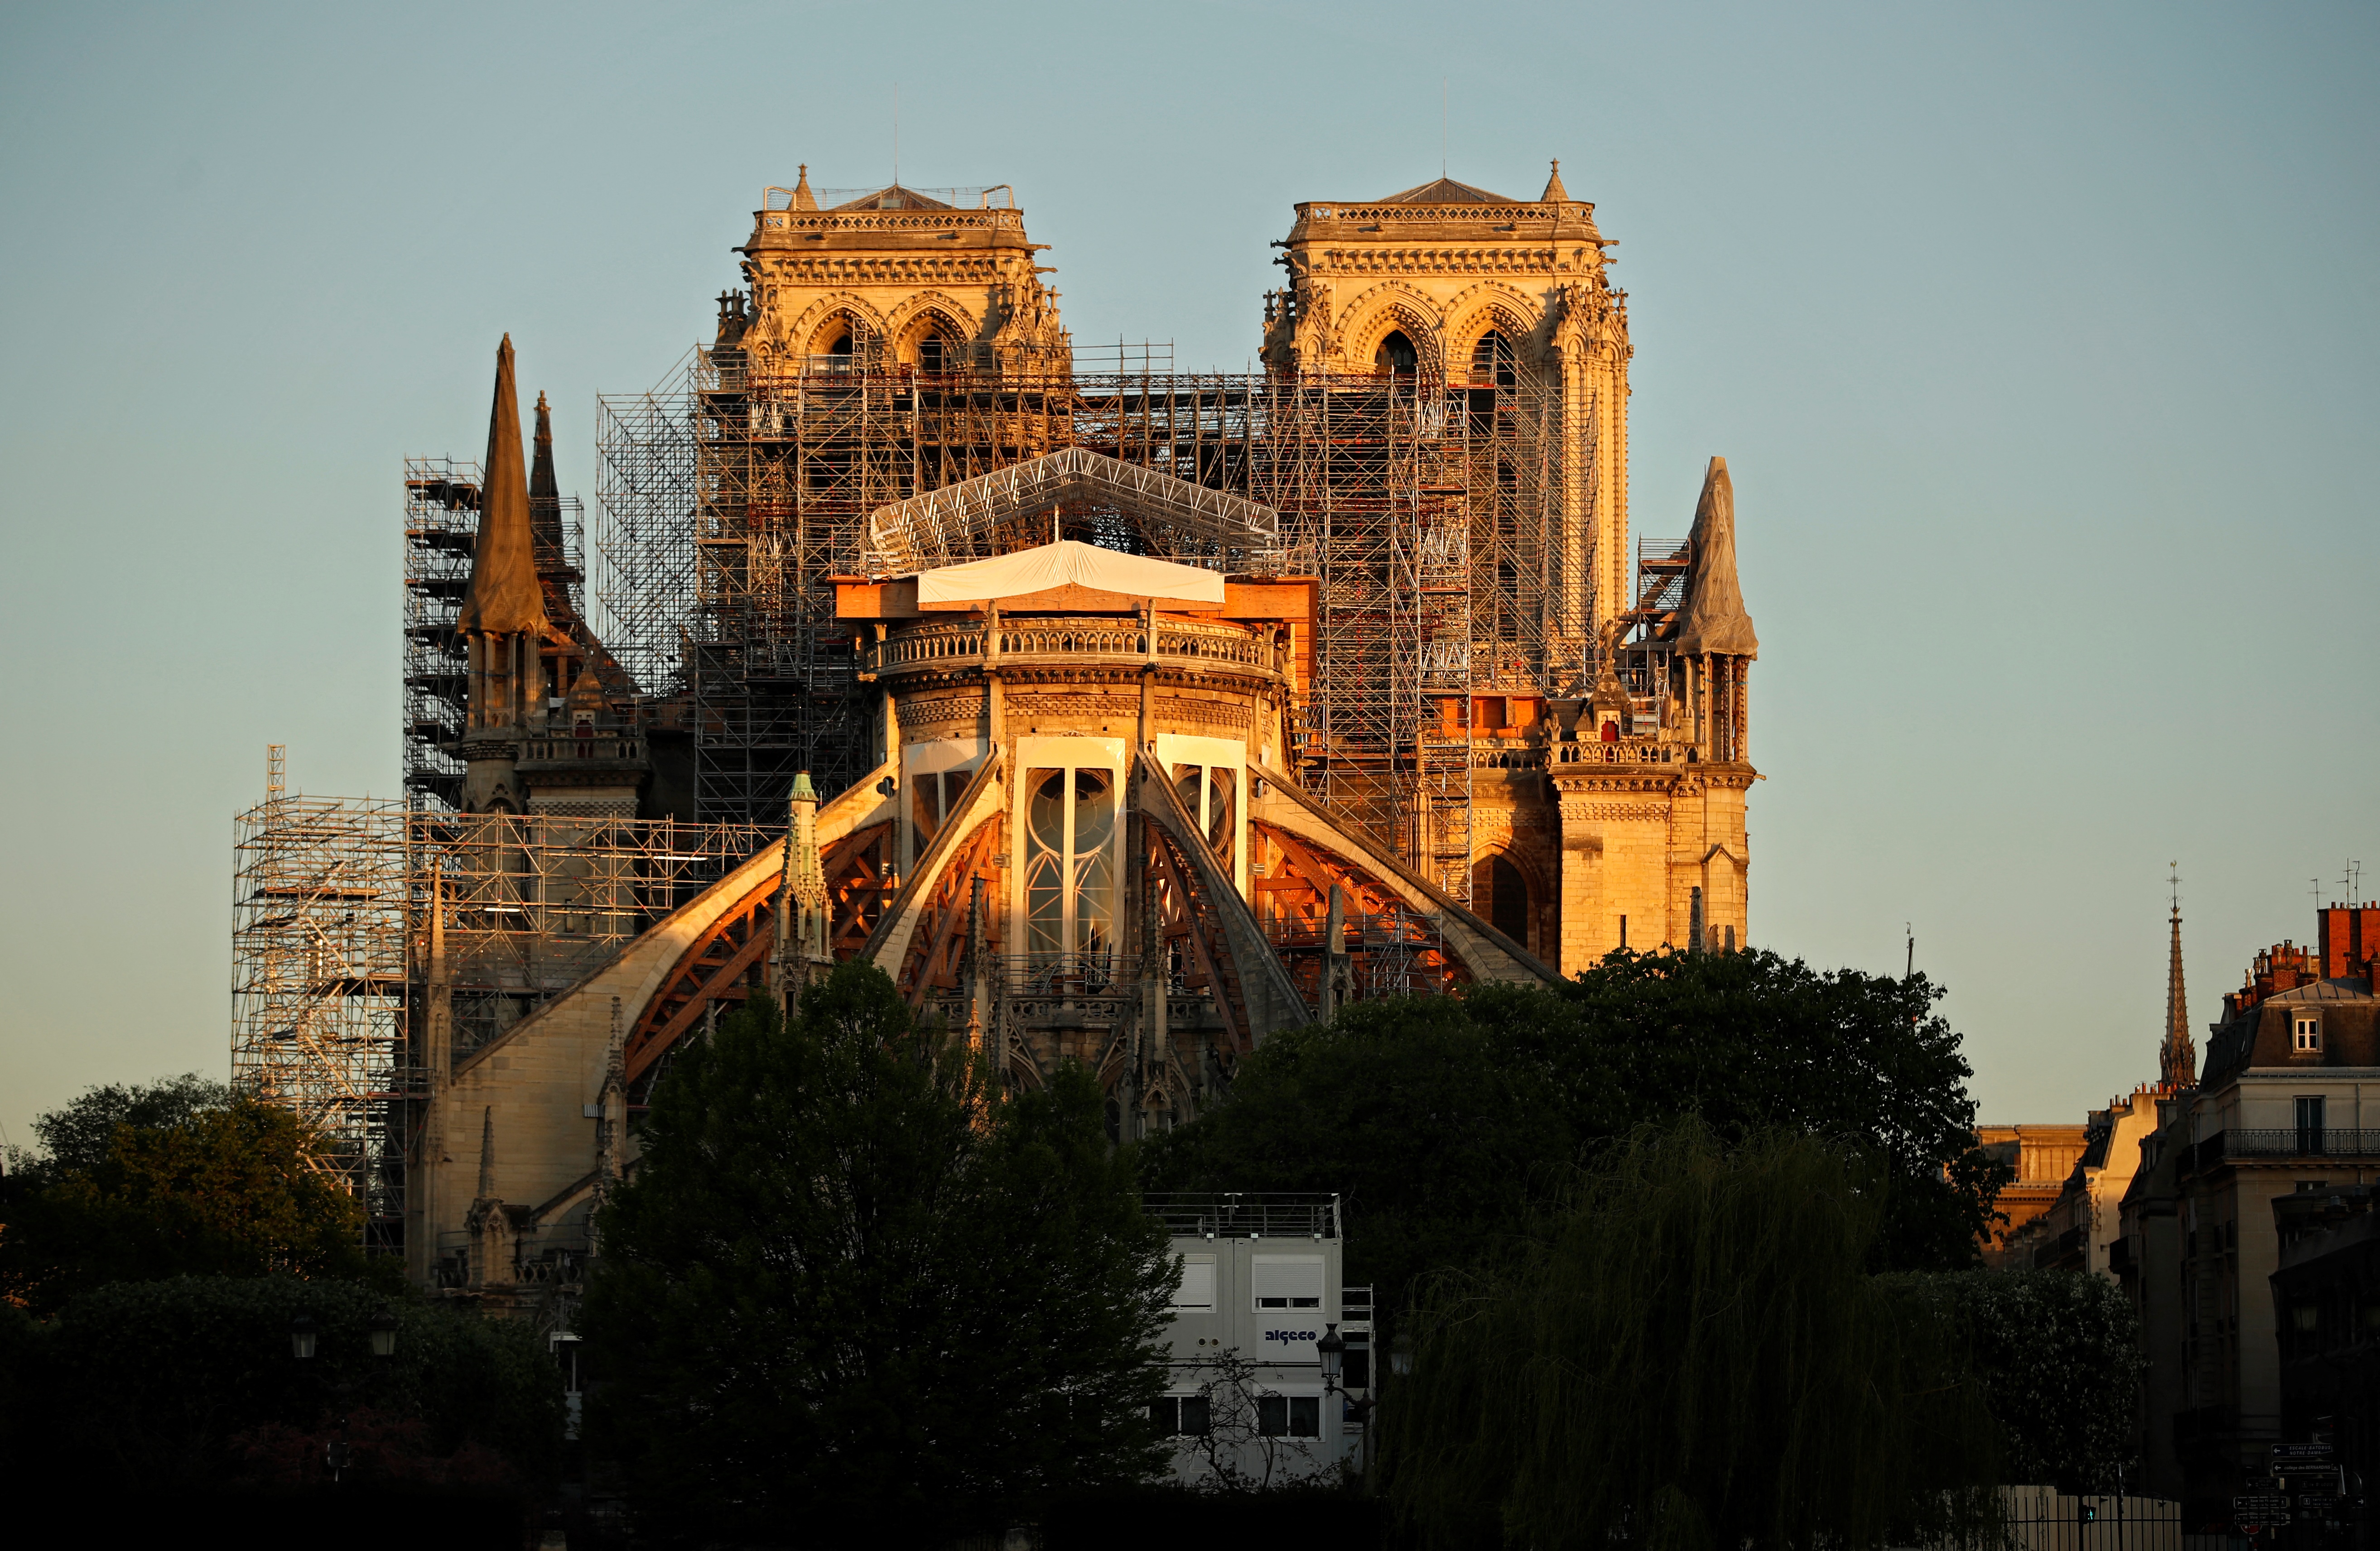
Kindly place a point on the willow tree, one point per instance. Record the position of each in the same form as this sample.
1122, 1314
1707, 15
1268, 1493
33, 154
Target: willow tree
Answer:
1690, 1356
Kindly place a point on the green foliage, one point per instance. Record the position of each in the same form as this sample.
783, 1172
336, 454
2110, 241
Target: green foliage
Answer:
1749, 1041
2059, 1356
76, 1138
1505, 1091
850, 1295
189, 1385
1690, 1356
226, 1188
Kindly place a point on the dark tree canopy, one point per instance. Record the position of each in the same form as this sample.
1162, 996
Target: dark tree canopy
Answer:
75, 1139
187, 1387
2058, 1354
179, 1178
849, 1295
1441, 1122
1687, 1355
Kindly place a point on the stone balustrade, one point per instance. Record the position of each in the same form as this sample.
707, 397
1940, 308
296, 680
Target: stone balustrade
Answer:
1038, 641
1626, 751
607, 748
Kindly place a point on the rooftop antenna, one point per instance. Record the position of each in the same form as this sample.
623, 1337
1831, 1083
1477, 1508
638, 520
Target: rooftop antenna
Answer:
896, 134
1441, 126
1909, 968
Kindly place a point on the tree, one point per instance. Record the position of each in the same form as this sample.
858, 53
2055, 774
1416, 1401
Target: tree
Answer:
2059, 1354
1752, 1040
1240, 1446
217, 1185
851, 1293
188, 1385
1689, 1356
76, 1138
1506, 1089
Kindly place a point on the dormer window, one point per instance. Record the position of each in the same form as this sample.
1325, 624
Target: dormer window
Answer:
2306, 1040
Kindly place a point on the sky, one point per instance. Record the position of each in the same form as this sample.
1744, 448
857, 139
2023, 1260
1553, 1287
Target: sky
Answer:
2039, 339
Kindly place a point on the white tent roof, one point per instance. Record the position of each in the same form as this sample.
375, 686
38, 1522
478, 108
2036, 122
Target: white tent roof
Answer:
1051, 565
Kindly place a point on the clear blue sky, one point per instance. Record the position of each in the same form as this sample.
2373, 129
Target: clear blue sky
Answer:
2039, 340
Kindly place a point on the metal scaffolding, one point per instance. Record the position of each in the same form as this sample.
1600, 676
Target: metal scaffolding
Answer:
1436, 514
442, 523
332, 906
318, 967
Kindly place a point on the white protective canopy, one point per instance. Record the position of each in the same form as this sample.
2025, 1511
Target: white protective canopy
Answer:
1053, 565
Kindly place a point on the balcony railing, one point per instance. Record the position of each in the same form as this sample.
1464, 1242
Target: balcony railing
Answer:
2290, 1142
1251, 1215
607, 748
1074, 640
1626, 751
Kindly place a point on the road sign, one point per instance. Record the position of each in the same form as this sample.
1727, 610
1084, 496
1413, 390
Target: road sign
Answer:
2263, 1505
2302, 1451
2317, 1505
2295, 1469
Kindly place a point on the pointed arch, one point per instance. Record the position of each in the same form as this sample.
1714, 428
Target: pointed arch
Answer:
1392, 307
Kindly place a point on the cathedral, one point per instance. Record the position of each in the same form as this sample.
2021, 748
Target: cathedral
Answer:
1120, 715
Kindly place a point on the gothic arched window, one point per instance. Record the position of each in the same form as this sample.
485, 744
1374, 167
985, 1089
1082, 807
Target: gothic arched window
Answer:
1396, 357
1500, 893
1069, 867
1493, 360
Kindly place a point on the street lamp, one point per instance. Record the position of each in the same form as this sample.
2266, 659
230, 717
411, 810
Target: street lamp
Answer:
1333, 1348
303, 1333
383, 1332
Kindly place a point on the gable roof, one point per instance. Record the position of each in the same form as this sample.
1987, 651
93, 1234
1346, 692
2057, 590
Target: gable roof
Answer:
1446, 191
891, 197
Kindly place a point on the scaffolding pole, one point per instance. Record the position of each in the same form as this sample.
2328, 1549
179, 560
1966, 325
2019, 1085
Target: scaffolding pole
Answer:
1434, 512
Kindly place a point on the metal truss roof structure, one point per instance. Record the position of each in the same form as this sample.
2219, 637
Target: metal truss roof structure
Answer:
1184, 522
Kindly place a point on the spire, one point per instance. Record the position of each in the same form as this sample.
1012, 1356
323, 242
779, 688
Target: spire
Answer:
1714, 620
544, 492
2177, 1060
803, 198
488, 1153
503, 597
1555, 193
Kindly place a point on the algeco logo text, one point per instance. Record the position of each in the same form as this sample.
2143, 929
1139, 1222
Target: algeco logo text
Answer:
1287, 1335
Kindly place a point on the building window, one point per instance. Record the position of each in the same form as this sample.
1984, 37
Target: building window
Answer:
932, 799
1287, 1282
2309, 1118
1493, 360
1396, 357
930, 353
1209, 796
1501, 894
1195, 1289
2308, 1039
1178, 1416
1296, 1416
1069, 871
